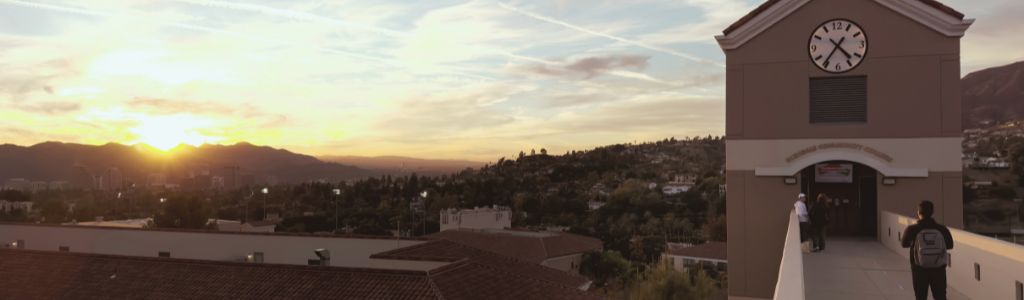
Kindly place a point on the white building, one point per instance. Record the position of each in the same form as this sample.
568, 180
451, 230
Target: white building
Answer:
25, 206
675, 188
708, 256
497, 217
127, 223
236, 226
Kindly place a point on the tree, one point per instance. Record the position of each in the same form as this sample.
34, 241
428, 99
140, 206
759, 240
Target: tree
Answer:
605, 267
664, 282
1016, 160
182, 212
53, 211
715, 229
543, 151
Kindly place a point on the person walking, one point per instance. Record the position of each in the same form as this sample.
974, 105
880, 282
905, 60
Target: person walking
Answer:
819, 219
929, 243
803, 216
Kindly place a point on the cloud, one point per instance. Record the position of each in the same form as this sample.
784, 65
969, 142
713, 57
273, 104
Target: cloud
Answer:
49, 108
611, 37
589, 67
160, 106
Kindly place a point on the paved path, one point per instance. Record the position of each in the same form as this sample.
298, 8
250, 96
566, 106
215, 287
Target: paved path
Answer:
859, 268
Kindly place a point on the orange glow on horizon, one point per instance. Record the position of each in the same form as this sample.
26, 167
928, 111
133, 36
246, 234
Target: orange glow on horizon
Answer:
166, 132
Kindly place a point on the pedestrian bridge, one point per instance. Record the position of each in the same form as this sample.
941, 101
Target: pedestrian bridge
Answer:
865, 268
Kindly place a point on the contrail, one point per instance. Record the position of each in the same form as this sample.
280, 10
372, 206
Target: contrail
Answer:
291, 14
90, 12
313, 18
609, 36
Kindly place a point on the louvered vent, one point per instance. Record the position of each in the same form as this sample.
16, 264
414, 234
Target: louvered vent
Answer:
839, 100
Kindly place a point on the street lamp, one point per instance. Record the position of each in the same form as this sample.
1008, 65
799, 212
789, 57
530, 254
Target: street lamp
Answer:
423, 209
265, 191
337, 192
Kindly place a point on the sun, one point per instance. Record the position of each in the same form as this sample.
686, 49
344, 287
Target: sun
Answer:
167, 132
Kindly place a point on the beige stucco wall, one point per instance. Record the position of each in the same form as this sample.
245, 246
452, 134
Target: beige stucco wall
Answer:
914, 71
568, 263
913, 93
279, 249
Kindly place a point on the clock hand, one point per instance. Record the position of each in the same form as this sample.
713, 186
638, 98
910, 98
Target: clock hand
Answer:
831, 53
848, 56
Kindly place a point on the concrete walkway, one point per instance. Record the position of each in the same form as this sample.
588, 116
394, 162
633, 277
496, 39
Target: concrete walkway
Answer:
859, 268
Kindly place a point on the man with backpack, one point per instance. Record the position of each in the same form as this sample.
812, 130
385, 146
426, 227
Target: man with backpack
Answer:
929, 242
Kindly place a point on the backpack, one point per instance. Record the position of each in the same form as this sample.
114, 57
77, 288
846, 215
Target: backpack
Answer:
930, 249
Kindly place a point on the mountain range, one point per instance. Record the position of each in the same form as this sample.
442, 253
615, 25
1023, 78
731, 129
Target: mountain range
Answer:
399, 165
55, 161
994, 95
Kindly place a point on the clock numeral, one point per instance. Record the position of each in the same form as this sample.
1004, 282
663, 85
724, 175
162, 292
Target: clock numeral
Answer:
825, 65
857, 34
863, 44
837, 25
848, 63
818, 57
814, 47
837, 67
858, 55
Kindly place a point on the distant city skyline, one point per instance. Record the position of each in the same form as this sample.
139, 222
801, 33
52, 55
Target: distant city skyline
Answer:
441, 79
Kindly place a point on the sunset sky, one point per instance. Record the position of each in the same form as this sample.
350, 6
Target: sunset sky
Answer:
436, 79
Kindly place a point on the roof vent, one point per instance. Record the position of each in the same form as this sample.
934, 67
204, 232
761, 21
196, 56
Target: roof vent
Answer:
255, 257
324, 255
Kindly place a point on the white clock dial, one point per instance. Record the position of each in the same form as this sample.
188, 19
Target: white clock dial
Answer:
838, 46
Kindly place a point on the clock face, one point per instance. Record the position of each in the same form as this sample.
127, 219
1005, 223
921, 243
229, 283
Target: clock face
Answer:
838, 46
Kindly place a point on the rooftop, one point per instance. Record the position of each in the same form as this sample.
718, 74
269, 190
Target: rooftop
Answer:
28, 274
768, 4
709, 250
448, 251
530, 246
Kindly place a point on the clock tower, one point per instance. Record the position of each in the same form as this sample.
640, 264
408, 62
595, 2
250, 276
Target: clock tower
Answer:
855, 100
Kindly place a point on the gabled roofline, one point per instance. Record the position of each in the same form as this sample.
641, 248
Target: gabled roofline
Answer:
930, 13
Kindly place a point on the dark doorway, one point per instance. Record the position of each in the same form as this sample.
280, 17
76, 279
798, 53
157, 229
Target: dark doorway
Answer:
852, 190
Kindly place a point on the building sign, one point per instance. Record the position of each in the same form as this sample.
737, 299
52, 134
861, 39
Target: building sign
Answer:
851, 146
833, 173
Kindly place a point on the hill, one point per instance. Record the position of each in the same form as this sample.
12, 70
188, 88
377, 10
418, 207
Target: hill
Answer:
994, 95
78, 163
398, 165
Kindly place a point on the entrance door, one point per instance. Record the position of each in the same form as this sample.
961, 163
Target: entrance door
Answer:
852, 190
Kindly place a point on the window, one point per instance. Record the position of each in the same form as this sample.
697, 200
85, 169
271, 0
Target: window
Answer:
1020, 290
977, 272
722, 267
838, 100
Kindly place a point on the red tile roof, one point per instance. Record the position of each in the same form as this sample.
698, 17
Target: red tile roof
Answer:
27, 274
767, 4
709, 250
530, 246
444, 250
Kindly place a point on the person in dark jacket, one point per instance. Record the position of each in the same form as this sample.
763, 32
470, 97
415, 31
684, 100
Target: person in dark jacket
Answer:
925, 277
819, 220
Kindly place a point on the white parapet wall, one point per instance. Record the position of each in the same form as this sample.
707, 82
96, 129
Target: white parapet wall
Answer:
790, 285
290, 249
981, 267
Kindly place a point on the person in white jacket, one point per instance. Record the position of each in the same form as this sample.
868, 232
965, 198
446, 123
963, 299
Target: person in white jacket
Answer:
802, 215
